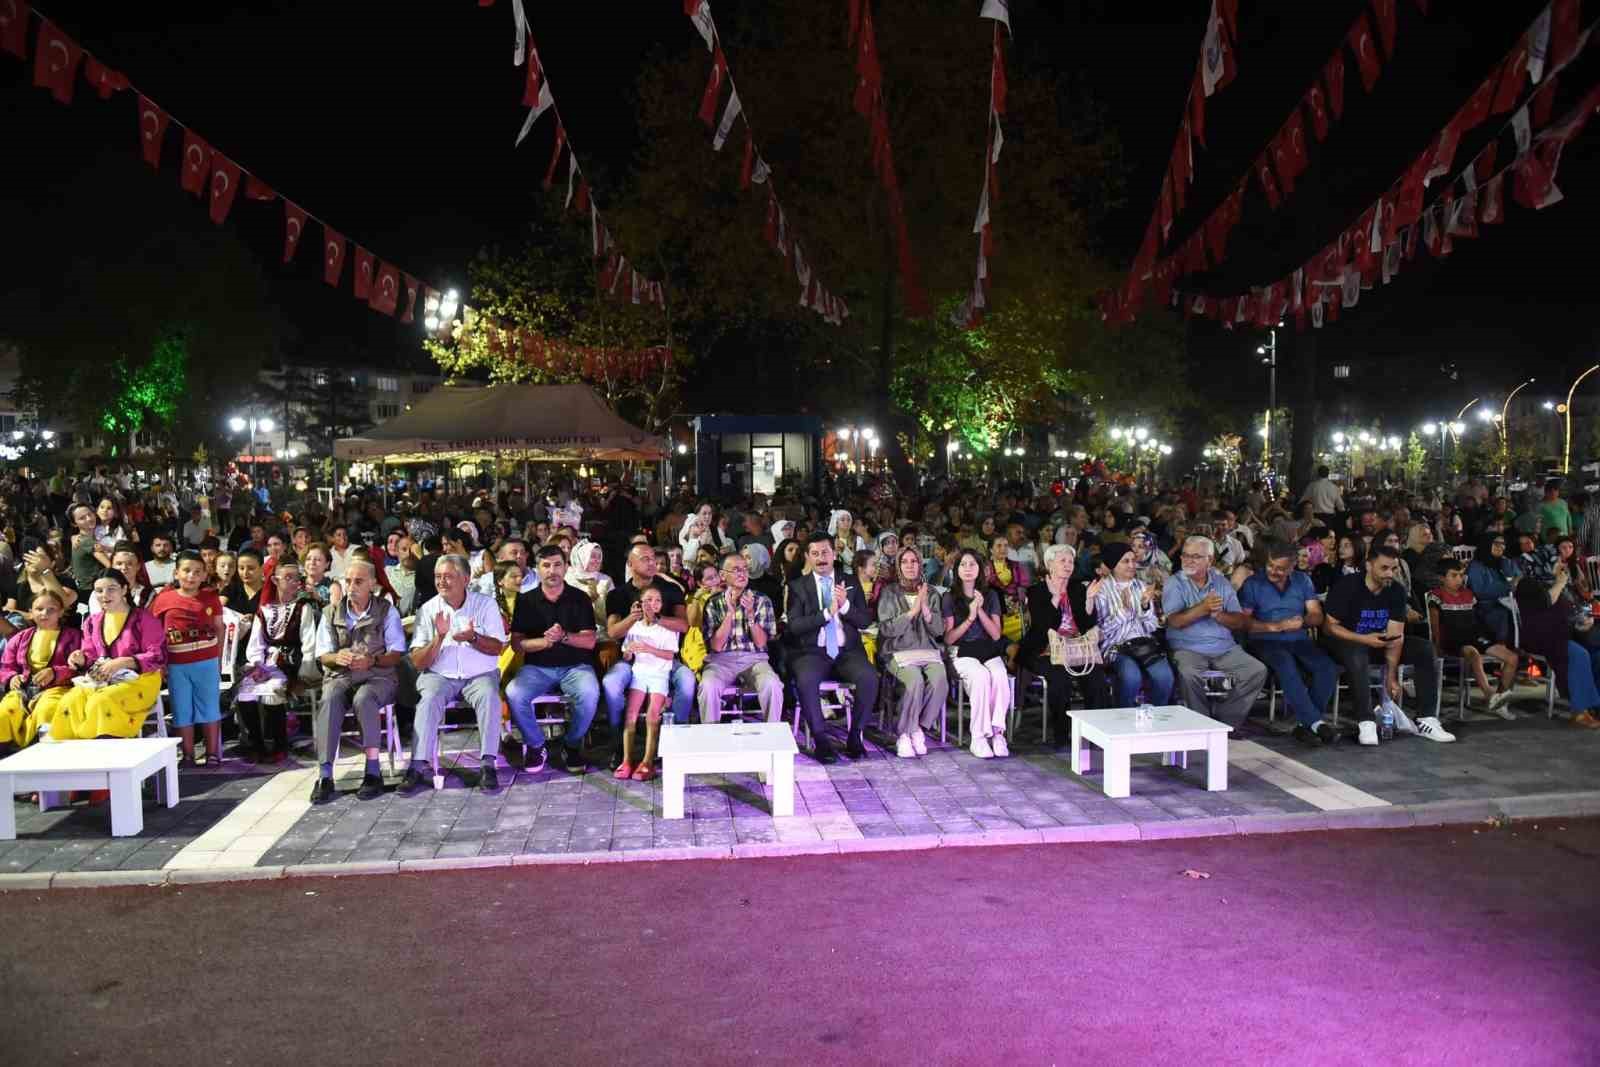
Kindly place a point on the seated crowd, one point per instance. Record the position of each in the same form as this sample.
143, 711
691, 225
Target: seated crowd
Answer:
530, 613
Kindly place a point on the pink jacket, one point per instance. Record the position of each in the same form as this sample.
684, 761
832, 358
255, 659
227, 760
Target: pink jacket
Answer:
143, 638
15, 659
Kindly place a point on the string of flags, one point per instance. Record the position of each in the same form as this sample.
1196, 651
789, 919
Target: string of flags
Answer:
618, 277
869, 104
1549, 42
753, 170
970, 311
1388, 232
207, 172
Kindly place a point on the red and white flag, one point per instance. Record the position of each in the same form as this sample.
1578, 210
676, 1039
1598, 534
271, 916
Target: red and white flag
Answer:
1366, 50
1565, 19
519, 32
224, 186
535, 81
385, 289
713, 93
256, 189
1290, 152
725, 127
411, 287
572, 178
14, 28
332, 254
583, 195
999, 10
363, 273
1538, 43
749, 157
1534, 183
997, 79
1317, 108
294, 224
152, 128
104, 80
1476, 110
545, 102
1269, 185
1217, 65
1333, 75
1513, 72
55, 61
701, 17
1493, 201
1383, 12
555, 155
196, 163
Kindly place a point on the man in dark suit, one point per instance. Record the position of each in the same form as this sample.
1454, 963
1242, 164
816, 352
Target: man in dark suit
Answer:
825, 620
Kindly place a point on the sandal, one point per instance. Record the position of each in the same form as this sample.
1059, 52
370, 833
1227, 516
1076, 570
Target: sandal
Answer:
624, 771
186, 763
643, 773
213, 762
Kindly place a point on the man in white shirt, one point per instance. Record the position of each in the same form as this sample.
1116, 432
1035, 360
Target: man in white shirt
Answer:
196, 529
341, 550
158, 572
1326, 500
456, 651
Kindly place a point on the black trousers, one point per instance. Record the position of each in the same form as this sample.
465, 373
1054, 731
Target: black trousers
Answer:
1094, 687
1355, 659
811, 669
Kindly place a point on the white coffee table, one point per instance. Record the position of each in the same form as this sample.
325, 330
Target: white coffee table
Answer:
766, 748
1173, 730
119, 765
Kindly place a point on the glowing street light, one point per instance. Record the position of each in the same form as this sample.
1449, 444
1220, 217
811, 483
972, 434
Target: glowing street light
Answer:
1141, 433
1338, 437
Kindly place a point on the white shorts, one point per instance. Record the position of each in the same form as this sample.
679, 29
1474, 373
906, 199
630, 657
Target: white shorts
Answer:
645, 683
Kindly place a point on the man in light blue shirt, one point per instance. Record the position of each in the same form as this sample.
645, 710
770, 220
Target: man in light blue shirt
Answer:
1202, 613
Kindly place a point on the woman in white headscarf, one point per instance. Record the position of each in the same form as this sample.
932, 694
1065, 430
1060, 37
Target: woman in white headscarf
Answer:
697, 530
585, 575
781, 531
846, 542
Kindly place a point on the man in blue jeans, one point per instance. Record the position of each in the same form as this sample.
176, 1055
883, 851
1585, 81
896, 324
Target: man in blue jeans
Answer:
1282, 606
622, 611
553, 627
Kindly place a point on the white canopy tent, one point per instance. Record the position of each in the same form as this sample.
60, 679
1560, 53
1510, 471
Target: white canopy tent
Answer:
538, 423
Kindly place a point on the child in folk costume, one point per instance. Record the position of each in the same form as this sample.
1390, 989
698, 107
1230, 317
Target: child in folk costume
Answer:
280, 658
34, 673
124, 650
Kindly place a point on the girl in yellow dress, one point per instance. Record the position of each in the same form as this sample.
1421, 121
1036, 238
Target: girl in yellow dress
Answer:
34, 673
124, 649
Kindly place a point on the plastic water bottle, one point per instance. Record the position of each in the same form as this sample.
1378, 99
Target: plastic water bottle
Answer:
1386, 722
1144, 717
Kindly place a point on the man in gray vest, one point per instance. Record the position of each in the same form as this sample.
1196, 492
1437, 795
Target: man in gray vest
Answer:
359, 643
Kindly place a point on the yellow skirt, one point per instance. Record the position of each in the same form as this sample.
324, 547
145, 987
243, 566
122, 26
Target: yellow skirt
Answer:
20, 724
117, 710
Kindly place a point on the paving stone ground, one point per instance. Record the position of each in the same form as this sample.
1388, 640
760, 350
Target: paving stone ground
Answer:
243, 816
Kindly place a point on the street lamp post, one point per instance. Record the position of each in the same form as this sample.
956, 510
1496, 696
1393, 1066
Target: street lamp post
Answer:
1269, 354
238, 424
1505, 433
1566, 454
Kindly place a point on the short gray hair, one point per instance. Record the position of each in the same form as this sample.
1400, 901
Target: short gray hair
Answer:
461, 563
1200, 539
1054, 551
361, 561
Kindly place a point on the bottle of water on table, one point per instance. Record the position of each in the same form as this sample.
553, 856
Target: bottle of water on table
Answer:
1144, 716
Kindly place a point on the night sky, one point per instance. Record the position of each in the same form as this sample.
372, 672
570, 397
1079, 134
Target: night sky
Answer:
395, 123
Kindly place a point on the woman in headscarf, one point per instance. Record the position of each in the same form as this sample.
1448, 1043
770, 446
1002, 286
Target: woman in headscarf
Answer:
781, 531
1491, 577
846, 542
698, 529
762, 581
910, 628
585, 575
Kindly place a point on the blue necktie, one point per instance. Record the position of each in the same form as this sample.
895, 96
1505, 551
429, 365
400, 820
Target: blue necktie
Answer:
829, 634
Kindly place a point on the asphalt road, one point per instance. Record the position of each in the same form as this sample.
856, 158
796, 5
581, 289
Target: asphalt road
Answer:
1422, 946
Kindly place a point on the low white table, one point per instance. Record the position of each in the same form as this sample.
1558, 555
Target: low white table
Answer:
117, 764
1172, 731
766, 748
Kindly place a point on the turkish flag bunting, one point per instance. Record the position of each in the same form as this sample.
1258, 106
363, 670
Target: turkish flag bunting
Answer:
196, 163
55, 61
1513, 72
294, 224
1383, 11
224, 186
363, 273
749, 158
152, 127
412, 285
1539, 106
1565, 16
1179, 169
1292, 142
105, 80
1268, 184
1333, 74
1493, 201
1483, 166
1534, 185
708, 100
14, 28
1317, 108
1442, 153
555, 155
530, 94
998, 87
1476, 109
583, 195
332, 254
1164, 206
386, 289
1197, 109
1367, 61
256, 189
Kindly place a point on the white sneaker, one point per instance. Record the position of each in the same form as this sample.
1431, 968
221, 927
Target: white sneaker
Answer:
980, 747
1367, 733
919, 743
998, 744
902, 747
1497, 706
1431, 729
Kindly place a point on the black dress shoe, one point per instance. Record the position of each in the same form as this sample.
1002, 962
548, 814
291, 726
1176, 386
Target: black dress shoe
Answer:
825, 754
488, 776
1308, 737
414, 780
371, 787
855, 749
322, 791
1329, 735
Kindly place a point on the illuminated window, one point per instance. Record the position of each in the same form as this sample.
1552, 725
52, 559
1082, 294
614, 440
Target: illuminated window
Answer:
1341, 370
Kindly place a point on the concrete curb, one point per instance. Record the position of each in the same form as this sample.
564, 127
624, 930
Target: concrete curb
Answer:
1463, 812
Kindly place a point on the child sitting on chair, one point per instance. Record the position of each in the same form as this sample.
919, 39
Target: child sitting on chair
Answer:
652, 649
1457, 632
34, 673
